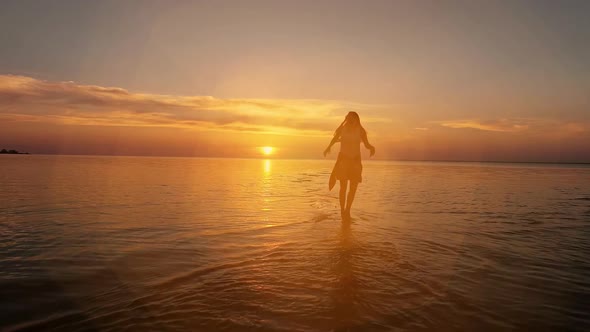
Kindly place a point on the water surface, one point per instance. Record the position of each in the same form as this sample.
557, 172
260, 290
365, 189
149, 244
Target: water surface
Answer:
165, 244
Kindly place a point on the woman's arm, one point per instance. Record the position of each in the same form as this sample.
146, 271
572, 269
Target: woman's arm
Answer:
366, 142
334, 140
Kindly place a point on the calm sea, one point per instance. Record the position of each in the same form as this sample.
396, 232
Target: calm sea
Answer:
187, 244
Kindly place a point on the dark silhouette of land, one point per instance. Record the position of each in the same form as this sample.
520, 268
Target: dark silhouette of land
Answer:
4, 151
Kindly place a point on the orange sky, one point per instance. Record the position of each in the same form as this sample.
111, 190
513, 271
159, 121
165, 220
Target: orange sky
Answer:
65, 117
443, 80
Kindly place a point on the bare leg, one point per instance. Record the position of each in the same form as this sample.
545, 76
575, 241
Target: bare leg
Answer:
342, 196
350, 198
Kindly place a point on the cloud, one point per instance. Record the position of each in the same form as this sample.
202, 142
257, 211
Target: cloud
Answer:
503, 125
540, 128
28, 99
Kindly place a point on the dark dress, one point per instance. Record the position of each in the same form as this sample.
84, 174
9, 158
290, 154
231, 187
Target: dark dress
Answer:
348, 166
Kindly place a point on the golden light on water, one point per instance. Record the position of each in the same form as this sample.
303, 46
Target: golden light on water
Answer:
267, 150
267, 166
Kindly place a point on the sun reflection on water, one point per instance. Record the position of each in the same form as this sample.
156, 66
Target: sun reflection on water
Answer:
267, 166
267, 190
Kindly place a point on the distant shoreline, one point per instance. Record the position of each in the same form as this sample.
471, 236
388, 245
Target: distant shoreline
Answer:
4, 151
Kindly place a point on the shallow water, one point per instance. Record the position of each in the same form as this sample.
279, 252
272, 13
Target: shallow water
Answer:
164, 244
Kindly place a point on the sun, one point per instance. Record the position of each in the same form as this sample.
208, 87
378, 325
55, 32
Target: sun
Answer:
267, 150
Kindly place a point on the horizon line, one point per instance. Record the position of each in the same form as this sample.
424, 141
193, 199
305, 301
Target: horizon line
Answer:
367, 159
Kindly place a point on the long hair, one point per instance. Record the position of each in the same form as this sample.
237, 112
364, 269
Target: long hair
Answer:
351, 119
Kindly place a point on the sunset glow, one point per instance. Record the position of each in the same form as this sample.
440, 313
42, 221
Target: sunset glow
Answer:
419, 74
306, 165
267, 150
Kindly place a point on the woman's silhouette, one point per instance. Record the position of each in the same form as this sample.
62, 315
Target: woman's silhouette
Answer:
348, 167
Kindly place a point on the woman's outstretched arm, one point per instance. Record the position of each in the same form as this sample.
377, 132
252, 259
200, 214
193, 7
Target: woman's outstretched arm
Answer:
334, 140
366, 142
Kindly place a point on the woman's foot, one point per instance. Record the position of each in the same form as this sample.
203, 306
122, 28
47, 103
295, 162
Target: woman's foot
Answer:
345, 214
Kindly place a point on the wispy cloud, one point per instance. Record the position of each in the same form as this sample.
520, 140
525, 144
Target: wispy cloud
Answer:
503, 125
546, 128
29, 99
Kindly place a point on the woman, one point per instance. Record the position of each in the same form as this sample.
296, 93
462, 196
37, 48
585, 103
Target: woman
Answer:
348, 167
